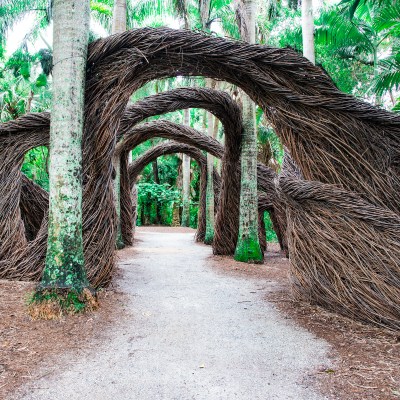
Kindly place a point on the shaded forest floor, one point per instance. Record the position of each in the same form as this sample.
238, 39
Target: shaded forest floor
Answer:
365, 360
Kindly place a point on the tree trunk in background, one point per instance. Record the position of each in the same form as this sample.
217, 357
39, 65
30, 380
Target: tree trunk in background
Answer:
119, 17
134, 194
154, 166
186, 179
185, 220
248, 246
210, 198
119, 26
64, 259
204, 8
307, 27
215, 134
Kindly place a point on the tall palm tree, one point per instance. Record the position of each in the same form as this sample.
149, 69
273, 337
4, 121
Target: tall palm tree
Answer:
119, 16
185, 220
64, 268
181, 8
307, 25
363, 37
204, 14
248, 246
119, 24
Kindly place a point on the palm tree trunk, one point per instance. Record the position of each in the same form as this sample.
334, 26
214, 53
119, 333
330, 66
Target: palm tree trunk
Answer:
248, 245
210, 197
119, 26
186, 179
64, 259
204, 9
307, 27
119, 16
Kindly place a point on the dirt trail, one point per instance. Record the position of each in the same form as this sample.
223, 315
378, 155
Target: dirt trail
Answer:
189, 333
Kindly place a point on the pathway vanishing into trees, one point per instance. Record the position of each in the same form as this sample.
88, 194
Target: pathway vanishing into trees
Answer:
190, 333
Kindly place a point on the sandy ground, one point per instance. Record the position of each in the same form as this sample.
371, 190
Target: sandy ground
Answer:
190, 333
179, 323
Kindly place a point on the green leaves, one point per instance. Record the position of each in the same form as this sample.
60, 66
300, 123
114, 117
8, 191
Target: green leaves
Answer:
35, 166
389, 76
41, 80
148, 192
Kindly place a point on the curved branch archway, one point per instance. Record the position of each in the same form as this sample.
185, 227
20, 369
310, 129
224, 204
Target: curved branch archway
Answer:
228, 112
172, 148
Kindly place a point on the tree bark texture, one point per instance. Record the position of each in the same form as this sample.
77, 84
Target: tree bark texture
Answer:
186, 178
64, 259
307, 28
248, 246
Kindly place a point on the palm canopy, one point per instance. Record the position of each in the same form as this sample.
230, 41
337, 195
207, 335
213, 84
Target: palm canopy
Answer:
367, 34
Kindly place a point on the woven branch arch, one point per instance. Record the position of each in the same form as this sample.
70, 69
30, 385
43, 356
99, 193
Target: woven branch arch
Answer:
34, 204
30, 131
184, 134
171, 147
325, 130
16, 138
333, 138
228, 112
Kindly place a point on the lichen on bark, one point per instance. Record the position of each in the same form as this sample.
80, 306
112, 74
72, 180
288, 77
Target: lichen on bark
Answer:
117, 199
185, 221
64, 266
248, 247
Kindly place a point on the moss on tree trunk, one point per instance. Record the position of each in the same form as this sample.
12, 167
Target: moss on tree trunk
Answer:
248, 246
185, 221
64, 267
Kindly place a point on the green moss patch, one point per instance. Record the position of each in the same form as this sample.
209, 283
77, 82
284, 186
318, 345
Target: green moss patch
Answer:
54, 303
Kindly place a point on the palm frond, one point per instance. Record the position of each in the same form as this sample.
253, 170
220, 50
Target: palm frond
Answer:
338, 31
389, 76
389, 18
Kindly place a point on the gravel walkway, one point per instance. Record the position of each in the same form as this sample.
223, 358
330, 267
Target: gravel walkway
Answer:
190, 333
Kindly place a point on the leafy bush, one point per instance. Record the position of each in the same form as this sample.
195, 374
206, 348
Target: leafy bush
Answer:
155, 203
35, 166
270, 233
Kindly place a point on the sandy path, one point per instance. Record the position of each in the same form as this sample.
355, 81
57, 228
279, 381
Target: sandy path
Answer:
190, 334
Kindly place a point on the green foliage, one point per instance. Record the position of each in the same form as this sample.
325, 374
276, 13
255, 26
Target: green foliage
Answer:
25, 85
35, 166
194, 213
266, 134
12, 12
156, 202
270, 233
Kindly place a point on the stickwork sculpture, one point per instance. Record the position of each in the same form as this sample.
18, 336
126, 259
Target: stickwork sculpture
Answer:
171, 147
183, 134
343, 213
227, 111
